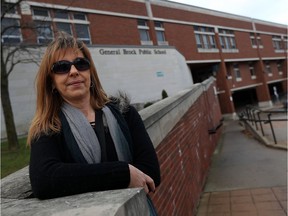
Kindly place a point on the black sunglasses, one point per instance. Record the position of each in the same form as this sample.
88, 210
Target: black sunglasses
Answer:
63, 67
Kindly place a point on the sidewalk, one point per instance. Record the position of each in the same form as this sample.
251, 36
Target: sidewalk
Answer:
246, 177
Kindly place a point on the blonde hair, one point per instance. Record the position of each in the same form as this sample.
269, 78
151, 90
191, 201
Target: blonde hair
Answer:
48, 104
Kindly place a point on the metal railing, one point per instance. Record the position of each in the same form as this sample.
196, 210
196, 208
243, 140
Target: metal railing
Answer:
258, 117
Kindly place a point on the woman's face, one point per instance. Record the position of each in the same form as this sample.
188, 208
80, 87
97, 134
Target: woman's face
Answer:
73, 86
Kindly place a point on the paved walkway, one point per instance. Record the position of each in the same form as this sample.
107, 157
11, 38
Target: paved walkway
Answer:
246, 177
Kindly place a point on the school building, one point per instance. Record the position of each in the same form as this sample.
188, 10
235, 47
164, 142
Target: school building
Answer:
137, 42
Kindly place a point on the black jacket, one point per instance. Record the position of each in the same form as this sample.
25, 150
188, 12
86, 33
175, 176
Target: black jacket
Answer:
54, 172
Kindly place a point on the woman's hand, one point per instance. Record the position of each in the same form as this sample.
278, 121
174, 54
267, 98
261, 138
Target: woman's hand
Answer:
140, 179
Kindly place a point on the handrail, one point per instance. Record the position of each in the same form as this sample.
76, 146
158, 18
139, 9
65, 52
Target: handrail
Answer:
253, 115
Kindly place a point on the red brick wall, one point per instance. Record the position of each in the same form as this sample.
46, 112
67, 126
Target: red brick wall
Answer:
185, 156
189, 16
113, 30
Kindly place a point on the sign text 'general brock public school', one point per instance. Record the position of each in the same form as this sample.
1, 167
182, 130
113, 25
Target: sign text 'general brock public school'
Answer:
132, 52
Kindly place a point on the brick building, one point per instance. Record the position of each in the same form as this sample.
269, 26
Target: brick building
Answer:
248, 57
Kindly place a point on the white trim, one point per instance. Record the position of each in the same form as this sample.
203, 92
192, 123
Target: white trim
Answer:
279, 51
143, 27
163, 43
246, 87
278, 80
212, 50
84, 10
203, 61
42, 18
273, 58
14, 16
205, 33
238, 79
85, 22
146, 42
230, 50
241, 60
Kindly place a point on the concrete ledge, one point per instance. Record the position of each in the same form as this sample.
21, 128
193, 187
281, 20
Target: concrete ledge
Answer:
161, 117
107, 203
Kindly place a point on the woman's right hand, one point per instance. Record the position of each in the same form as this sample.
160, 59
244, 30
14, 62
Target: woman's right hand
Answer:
140, 179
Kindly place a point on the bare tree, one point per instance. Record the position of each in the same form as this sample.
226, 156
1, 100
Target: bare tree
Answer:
12, 53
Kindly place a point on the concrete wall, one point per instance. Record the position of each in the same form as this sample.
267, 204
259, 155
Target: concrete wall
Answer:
142, 73
184, 129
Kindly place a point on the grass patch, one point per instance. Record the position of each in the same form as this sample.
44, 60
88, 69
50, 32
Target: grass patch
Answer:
11, 161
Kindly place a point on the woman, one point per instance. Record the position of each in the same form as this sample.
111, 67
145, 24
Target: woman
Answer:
82, 141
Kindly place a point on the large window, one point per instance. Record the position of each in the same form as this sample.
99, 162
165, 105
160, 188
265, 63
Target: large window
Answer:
205, 38
160, 33
10, 24
227, 40
49, 21
143, 29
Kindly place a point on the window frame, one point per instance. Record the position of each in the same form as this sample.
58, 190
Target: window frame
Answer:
237, 72
228, 41
160, 33
12, 15
145, 30
205, 39
252, 70
68, 19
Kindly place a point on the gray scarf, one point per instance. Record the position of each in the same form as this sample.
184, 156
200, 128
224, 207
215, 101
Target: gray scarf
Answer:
86, 137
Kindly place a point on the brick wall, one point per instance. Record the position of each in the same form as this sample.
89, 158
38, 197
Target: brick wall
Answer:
185, 156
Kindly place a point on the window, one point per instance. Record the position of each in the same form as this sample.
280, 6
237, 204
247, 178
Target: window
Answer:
10, 29
227, 40
268, 68
285, 40
48, 21
10, 25
61, 14
237, 72
144, 32
259, 41
44, 32
256, 41
82, 33
41, 12
160, 33
276, 40
7, 8
252, 70
253, 40
205, 38
279, 68
143, 29
79, 16
64, 27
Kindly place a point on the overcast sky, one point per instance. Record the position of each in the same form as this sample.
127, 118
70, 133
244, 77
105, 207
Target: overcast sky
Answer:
268, 10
